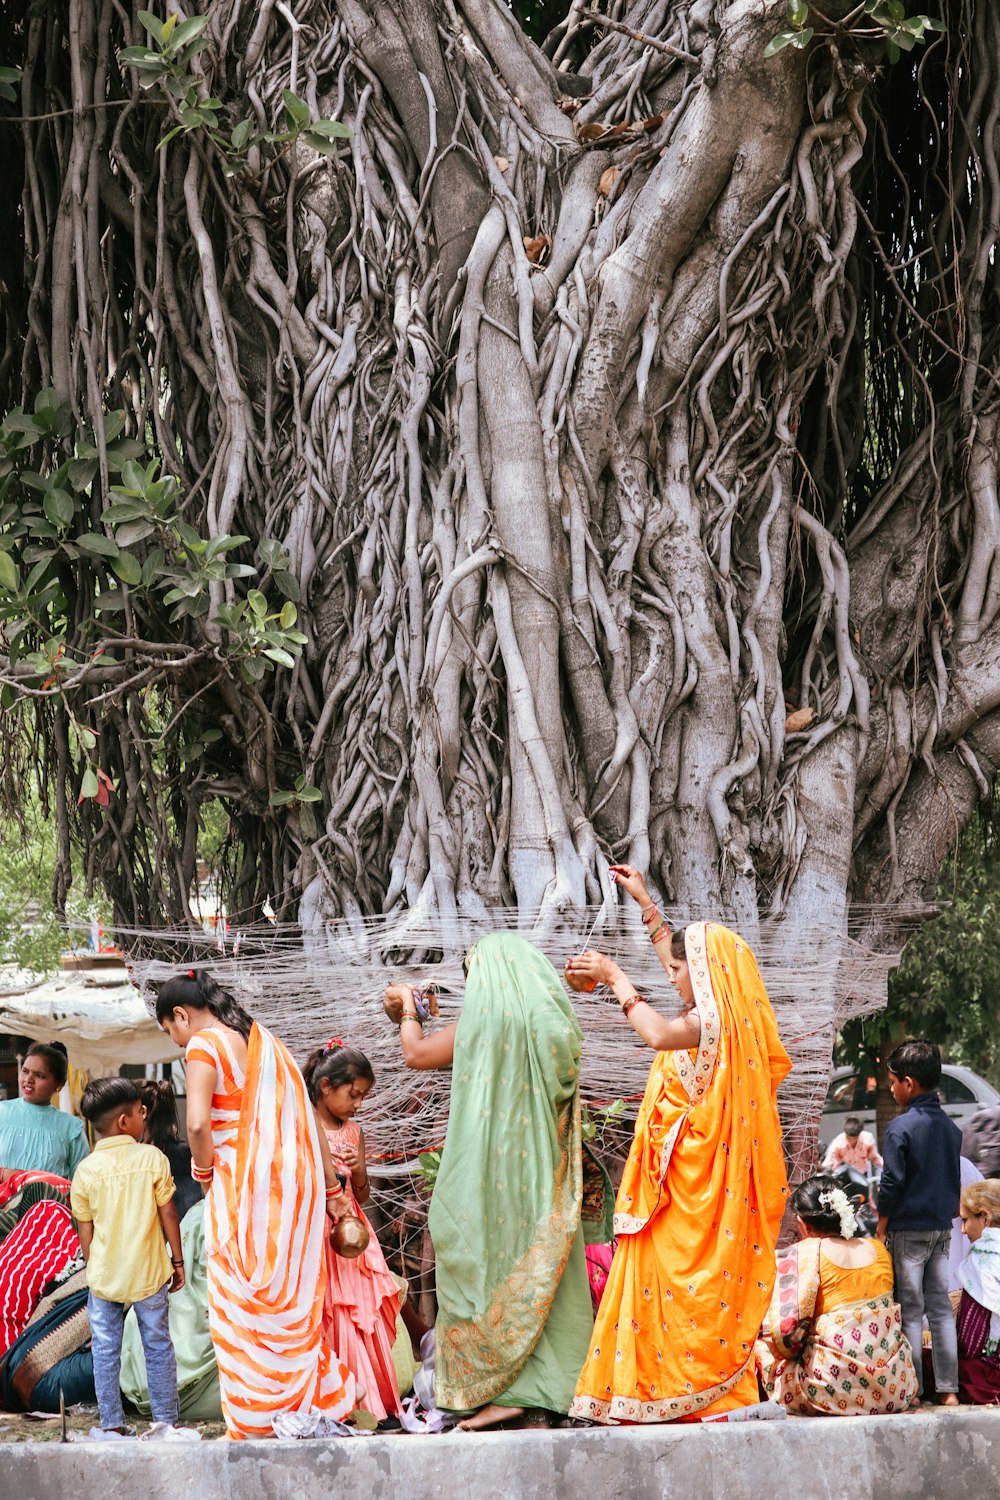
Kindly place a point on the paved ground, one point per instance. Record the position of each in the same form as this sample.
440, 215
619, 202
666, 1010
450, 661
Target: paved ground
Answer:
930, 1455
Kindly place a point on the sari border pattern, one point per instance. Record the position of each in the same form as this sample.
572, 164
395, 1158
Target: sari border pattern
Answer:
696, 1073
628, 1409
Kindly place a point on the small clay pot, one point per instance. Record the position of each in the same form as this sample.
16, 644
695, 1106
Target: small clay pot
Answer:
578, 983
349, 1237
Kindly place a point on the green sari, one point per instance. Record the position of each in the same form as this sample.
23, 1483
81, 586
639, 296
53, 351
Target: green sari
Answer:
514, 1312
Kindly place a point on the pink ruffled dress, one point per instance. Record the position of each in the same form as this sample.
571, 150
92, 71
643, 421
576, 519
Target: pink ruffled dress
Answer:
362, 1304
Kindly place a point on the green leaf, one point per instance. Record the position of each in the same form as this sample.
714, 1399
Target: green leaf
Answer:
780, 42
242, 133
280, 799
257, 603
132, 532
288, 585
331, 130
283, 659
319, 144
798, 11
298, 110
802, 38
252, 669
288, 616
110, 601
307, 822
89, 786
187, 31
124, 510
58, 507
127, 568
133, 478
81, 472
9, 578
310, 794
97, 545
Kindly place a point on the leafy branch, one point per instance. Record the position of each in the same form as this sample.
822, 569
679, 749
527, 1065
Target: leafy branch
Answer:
166, 64
883, 22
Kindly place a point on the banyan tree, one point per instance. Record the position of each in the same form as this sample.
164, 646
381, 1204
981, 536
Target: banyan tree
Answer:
471, 444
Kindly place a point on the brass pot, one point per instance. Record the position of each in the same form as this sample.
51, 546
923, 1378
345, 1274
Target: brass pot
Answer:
349, 1237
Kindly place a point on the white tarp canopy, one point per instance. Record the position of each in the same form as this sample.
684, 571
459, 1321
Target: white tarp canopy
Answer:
98, 1017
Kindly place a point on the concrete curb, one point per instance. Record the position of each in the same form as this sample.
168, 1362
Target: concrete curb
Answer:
927, 1456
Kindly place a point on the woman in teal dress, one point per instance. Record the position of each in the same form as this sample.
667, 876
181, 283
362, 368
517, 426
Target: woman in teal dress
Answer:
514, 1311
35, 1135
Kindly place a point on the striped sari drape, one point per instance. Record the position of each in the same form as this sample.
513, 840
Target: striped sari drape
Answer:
264, 1240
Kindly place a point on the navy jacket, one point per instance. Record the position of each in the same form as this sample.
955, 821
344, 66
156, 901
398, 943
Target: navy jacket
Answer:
921, 1179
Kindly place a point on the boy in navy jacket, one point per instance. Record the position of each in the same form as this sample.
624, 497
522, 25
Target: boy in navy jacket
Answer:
918, 1198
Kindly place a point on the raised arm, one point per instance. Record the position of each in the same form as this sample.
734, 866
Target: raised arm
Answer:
655, 1030
633, 881
423, 1053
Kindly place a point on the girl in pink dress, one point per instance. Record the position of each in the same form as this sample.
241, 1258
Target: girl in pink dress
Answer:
362, 1302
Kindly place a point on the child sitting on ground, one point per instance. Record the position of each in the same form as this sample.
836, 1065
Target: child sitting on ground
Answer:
123, 1202
917, 1201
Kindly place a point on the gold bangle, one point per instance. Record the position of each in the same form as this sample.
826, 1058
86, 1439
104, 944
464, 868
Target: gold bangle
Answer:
410, 1015
630, 1002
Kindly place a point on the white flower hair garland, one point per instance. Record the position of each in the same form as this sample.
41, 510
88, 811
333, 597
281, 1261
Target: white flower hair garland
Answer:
837, 1200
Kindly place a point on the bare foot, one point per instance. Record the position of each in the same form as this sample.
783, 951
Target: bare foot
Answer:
948, 1399
489, 1416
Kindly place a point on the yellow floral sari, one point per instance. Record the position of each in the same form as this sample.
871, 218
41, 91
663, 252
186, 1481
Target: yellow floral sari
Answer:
698, 1210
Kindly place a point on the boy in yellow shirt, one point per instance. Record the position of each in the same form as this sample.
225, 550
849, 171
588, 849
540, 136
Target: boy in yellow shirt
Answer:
123, 1202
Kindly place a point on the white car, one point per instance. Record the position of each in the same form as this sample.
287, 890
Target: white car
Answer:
853, 1093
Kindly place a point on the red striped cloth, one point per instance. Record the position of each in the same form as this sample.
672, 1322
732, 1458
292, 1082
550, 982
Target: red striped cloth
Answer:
35, 1251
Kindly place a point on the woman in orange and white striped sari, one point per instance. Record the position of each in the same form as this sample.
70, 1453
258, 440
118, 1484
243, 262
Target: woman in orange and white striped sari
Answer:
271, 1192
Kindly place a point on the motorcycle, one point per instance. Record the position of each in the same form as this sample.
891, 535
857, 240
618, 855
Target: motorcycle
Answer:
860, 1188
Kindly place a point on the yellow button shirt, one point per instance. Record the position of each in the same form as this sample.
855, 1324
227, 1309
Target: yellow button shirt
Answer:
119, 1188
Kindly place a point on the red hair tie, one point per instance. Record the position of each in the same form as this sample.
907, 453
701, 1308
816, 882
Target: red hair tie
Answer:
192, 974
334, 1041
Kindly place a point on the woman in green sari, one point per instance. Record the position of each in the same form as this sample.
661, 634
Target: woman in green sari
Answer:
514, 1313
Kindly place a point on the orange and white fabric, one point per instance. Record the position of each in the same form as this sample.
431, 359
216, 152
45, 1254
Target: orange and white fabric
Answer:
362, 1303
698, 1210
265, 1229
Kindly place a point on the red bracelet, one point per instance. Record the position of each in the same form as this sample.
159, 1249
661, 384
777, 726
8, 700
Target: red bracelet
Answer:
202, 1174
649, 913
629, 1003
661, 934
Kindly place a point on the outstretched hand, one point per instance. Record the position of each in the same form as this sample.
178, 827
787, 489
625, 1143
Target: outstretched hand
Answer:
632, 880
589, 969
396, 996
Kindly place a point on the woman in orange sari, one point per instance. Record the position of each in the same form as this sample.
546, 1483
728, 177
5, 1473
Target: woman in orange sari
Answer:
704, 1187
271, 1192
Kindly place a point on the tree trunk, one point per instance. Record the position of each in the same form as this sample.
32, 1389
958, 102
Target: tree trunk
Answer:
621, 414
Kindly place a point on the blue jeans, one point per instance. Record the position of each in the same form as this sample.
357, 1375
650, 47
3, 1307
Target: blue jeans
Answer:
107, 1321
920, 1269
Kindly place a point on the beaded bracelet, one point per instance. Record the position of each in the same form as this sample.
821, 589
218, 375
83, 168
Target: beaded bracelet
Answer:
629, 1004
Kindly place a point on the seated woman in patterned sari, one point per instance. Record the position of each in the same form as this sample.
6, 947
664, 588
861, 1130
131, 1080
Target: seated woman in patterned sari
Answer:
513, 1301
833, 1325
979, 1302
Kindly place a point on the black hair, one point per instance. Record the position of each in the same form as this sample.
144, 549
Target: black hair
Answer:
918, 1060
161, 1112
55, 1057
338, 1065
197, 990
107, 1097
852, 1125
805, 1202
678, 948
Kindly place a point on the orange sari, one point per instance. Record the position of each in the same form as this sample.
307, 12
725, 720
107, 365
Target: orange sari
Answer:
698, 1210
265, 1227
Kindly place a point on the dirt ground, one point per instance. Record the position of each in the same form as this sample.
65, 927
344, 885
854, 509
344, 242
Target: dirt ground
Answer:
17, 1428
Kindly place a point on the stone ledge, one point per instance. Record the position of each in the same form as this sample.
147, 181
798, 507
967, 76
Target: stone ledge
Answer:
930, 1455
